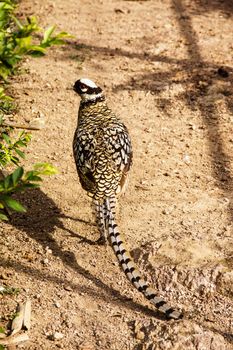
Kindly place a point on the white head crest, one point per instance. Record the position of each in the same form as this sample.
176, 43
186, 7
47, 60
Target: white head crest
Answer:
88, 82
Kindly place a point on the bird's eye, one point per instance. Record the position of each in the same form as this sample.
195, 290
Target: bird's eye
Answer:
83, 87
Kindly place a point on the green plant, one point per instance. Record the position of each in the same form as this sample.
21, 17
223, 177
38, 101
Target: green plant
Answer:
6, 102
19, 181
17, 39
11, 149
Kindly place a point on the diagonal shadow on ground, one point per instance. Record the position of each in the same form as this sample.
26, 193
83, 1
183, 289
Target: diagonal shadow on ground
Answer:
107, 51
39, 223
220, 160
34, 225
194, 69
225, 6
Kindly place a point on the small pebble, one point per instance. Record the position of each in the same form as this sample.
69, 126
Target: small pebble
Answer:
57, 304
2, 289
45, 261
48, 250
167, 211
140, 335
186, 159
56, 336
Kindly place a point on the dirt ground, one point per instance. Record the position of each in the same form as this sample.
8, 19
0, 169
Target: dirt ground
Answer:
166, 68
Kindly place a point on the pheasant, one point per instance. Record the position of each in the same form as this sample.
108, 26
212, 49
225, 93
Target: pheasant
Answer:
103, 156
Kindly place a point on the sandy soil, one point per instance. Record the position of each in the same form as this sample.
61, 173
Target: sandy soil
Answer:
166, 68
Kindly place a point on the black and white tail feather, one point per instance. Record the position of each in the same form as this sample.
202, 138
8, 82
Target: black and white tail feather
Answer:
109, 229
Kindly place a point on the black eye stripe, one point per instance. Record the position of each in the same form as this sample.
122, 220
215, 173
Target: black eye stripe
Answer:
90, 90
83, 86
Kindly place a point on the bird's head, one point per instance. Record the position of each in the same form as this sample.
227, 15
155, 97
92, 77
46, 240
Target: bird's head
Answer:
88, 90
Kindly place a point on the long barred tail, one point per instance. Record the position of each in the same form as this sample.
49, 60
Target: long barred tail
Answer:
107, 215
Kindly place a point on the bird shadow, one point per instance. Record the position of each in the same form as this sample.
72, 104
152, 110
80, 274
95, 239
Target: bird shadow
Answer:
40, 221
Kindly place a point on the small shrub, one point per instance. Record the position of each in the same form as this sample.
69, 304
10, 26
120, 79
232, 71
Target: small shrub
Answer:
17, 39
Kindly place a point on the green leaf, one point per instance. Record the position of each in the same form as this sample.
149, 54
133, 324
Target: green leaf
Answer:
64, 35
30, 185
36, 54
36, 51
24, 43
3, 217
20, 153
15, 160
56, 41
20, 143
17, 22
32, 25
17, 175
4, 72
6, 138
12, 203
33, 177
47, 34
45, 169
5, 6
7, 182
